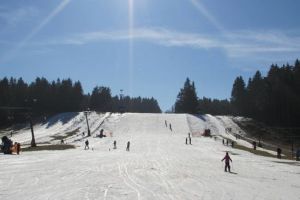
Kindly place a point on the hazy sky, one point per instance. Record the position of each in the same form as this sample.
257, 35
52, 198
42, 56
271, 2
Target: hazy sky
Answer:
147, 47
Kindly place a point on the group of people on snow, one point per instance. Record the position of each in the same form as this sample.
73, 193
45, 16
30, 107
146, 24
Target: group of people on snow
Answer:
8, 147
127, 146
227, 142
114, 143
170, 125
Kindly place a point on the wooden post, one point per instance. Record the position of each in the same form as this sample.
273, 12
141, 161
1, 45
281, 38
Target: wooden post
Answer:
33, 144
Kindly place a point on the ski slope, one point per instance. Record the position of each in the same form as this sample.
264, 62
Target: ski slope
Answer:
159, 164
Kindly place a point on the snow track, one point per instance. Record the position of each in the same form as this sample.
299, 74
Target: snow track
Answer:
158, 166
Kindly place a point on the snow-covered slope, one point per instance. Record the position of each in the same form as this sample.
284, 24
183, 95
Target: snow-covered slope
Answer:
59, 125
158, 166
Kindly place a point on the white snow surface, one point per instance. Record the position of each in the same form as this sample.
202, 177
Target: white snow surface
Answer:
159, 164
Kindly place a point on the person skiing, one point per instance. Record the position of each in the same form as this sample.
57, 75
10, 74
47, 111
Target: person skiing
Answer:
279, 153
254, 145
227, 164
189, 137
101, 133
128, 146
166, 123
170, 126
115, 144
86, 145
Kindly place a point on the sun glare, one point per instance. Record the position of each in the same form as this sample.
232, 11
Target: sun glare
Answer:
130, 33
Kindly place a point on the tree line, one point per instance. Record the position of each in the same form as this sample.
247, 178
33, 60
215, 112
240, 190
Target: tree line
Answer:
44, 98
188, 102
274, 99
102, 101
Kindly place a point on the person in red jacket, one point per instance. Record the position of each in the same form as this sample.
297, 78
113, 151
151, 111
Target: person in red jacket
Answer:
227, 159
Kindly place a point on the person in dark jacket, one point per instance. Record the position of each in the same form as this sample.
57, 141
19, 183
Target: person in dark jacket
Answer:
227, 162
128, 146
279, 153
86, 145
254, 145
7, 145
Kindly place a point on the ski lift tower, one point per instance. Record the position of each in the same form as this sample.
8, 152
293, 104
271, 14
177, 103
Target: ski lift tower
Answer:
121, 107
28, 114
87, 121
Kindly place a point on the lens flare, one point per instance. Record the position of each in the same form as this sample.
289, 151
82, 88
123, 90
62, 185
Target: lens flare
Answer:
131, 36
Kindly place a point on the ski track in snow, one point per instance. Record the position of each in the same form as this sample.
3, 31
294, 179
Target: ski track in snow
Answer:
158, 166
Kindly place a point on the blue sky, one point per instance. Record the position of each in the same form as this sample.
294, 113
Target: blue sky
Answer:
147, 47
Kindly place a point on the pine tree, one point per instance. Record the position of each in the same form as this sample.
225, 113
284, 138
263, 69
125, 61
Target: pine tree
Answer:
238, 96
101, 99
256, 96
187, 100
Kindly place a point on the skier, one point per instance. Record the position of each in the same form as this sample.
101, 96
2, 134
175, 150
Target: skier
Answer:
223, 141
128, 146
186, 140
254, 145
278, 153
190, 139
227, 159
115, 144
101, 133
166, 123
86, 145
170, 126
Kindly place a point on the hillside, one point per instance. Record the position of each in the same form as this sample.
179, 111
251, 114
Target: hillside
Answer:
159, 164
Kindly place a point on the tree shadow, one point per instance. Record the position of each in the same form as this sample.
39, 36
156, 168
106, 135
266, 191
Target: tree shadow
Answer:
200, 117
63, 117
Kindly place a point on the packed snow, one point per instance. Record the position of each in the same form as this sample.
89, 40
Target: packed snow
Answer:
159, 164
